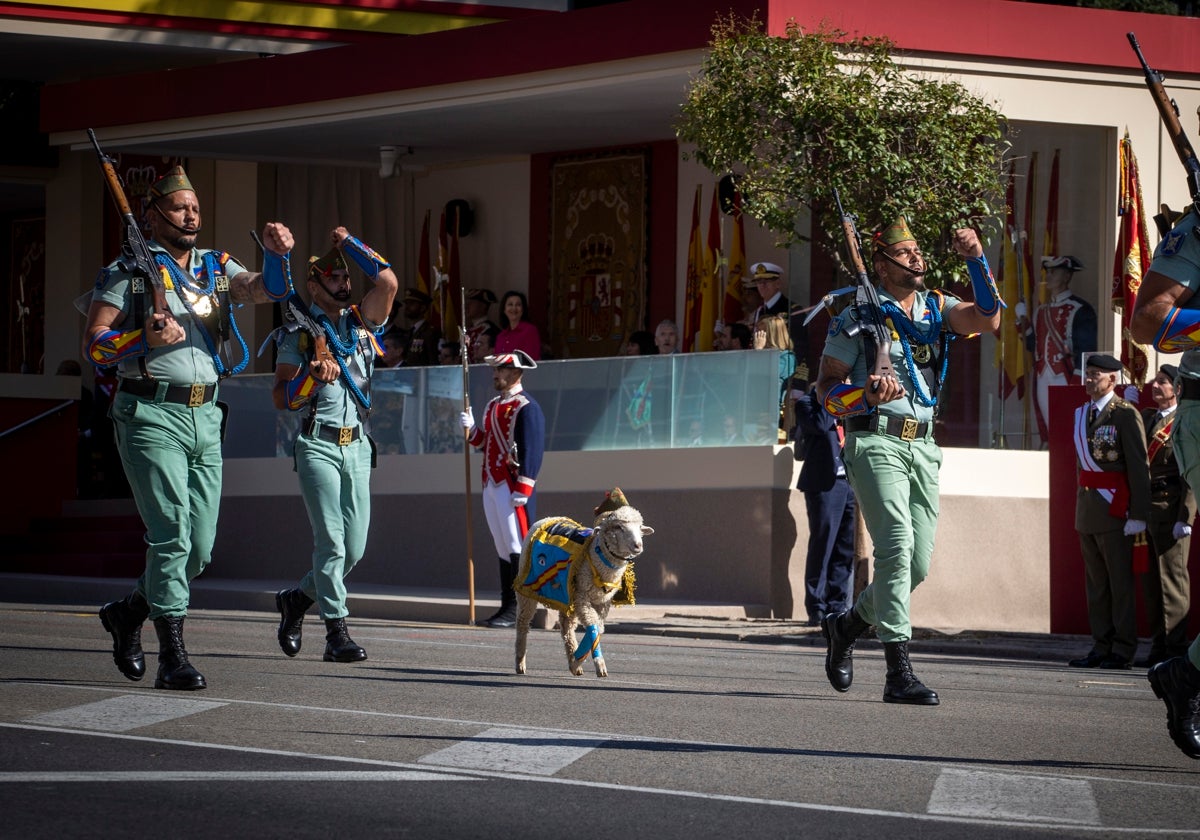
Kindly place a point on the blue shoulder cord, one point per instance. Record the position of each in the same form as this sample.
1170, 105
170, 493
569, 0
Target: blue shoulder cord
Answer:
909, 332
343, 350
182, 279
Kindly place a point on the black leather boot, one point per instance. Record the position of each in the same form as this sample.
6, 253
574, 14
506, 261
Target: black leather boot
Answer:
902, 685
339, 647
124, 620
292, 604
174, 670
841, 630
1177, 683
506, 616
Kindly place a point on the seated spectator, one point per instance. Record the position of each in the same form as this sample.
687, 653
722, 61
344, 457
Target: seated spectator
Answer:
517, 333
666, 338
641, 343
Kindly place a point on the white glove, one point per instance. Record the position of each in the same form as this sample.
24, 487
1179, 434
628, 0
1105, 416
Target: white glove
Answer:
1181, 530
718, 327
518, 499
1019, 309
1134, 526
467, 419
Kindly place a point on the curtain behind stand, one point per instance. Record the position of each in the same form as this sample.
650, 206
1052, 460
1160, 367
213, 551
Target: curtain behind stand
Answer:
313, 200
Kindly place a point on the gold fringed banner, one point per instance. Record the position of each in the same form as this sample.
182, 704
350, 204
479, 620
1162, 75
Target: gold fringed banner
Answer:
598, 253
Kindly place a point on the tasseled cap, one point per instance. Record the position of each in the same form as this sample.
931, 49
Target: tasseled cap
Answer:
326, 265
897, 231
613, 499
174, 181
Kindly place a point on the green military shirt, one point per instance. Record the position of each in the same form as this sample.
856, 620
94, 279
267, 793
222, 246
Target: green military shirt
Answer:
335, 403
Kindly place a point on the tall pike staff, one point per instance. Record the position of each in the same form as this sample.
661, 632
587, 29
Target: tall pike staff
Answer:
464, 353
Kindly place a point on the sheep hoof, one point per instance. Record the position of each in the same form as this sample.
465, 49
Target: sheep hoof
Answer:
577, 670
521, 666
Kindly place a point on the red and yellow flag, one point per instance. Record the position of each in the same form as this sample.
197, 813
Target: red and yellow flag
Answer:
423, 268
1050, 240
1131, 262
731, 311
1010, 344
443, 294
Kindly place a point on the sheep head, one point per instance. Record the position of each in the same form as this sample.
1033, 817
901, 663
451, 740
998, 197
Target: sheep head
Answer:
620, 532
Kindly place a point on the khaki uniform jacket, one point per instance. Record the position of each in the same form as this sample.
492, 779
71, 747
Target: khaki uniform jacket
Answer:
1171, 500
1117, 440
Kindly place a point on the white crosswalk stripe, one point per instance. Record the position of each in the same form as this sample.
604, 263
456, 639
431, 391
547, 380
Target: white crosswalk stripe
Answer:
1008, 796
121, 714
515, 751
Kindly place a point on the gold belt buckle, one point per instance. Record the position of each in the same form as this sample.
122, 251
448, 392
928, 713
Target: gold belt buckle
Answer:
345, 435
909, 430
196, 397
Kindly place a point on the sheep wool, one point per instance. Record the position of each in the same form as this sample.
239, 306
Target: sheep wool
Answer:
552, 552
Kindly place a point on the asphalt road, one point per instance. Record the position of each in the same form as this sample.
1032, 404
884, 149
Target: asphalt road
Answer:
435, 736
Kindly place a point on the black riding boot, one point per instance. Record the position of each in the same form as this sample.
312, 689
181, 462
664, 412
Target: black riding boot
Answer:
841, 630
339, 647
902, 685
292, 604
1177, 683
124, 620
506, 616
174, 670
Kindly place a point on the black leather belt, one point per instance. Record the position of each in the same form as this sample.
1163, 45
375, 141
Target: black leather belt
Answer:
193, 396
1189, 388
341, 435
905, 428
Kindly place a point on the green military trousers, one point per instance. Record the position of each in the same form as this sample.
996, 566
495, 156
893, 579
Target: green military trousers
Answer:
1187, 453
896, 482
335, 483
172, 458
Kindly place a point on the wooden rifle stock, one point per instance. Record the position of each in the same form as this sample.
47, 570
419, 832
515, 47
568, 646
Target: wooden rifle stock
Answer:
136, 259
866, 299
1169, 112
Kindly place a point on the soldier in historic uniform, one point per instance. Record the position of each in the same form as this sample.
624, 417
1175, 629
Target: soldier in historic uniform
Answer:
1064, 329
334, 455
890, 454
512, 440
1166, 583
1112, 506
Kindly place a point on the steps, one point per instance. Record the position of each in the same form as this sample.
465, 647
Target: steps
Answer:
103, 539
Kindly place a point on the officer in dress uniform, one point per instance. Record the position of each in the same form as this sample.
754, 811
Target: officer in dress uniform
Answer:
170, 356
423, 335
334, 455
478, 305
512, 438
1166, 584
1112, 506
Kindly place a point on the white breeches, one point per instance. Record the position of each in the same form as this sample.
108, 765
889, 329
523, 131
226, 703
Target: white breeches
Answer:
502, 519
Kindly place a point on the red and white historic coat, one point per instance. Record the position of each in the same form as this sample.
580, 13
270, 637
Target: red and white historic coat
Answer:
512, 439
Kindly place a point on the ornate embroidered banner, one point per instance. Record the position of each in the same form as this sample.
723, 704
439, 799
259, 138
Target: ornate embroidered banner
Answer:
598, 253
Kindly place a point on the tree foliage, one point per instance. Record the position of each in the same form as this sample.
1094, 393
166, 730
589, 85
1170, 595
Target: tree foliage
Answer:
794, 117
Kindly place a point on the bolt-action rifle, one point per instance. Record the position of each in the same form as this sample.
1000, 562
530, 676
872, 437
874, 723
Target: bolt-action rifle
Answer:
1169, 112
136, 259
866, 301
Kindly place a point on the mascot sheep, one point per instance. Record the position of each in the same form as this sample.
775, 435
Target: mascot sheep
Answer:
579, 572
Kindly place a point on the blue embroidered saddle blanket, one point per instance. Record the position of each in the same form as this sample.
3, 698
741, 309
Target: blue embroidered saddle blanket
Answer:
551, 554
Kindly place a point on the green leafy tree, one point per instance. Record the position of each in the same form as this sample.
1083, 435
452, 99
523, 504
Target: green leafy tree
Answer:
796, 116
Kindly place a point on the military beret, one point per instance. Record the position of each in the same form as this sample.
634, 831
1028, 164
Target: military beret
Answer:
1103, 361
1171, 371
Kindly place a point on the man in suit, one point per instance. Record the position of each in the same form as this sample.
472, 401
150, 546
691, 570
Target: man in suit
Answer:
829, 499
1112, 506
1165, 583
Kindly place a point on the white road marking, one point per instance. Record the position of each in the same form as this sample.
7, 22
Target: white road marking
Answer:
515, 751
124, 777
1009, 796
121, 714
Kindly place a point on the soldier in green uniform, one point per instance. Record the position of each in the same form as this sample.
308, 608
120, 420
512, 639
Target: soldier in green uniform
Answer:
167, 422
334, 455
890, 455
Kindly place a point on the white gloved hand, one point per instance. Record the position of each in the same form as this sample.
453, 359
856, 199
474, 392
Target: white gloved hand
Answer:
1134, 526
1181, 530
1019, 309
518, 499
467, 419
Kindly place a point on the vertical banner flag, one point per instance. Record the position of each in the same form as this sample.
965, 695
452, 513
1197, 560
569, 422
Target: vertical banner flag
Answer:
1026, 236
424, 278
710, 280
736, 268
1010, 344
1132, 260
1050, 240
695, 268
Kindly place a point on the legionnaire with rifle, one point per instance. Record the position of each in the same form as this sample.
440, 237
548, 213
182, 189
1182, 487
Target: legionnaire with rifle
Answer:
324, 368
163, 314
882, 370
1167, 315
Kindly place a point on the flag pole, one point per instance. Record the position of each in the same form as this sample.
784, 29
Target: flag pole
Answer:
466, 382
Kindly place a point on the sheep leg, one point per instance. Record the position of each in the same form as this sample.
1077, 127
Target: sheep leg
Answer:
526, 607
569, 643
